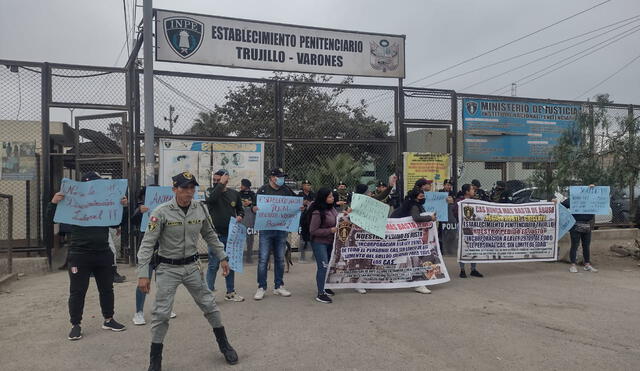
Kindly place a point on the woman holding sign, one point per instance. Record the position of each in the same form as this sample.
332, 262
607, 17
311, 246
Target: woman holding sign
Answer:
322, 229
581, 231
413, 206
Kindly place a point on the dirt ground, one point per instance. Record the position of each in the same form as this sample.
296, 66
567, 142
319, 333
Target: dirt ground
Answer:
533, 316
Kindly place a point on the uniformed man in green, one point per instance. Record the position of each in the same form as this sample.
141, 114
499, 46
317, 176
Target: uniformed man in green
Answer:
175, 225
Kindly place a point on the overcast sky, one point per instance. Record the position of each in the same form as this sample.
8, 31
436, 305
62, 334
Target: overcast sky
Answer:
439, 34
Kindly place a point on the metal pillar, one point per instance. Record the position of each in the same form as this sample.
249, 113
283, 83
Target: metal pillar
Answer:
149, 152
47, 227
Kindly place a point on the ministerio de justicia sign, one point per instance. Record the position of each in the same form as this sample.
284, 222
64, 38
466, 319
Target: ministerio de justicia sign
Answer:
230, 42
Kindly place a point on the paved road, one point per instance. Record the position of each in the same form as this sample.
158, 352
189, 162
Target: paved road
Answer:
533, 316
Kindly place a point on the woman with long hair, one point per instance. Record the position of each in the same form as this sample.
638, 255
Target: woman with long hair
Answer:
322, 228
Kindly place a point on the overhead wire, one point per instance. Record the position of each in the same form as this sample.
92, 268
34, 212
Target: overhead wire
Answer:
126, 26
630, 32
510, 42
623, 33
609, 77
635, 18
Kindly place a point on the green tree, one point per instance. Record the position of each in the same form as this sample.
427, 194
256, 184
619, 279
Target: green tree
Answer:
310, 112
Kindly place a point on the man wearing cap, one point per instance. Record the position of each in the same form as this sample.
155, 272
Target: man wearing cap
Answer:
308, 197
175, 225
248, 198
89, 253
500, 194
383, 191
480, 194
272, 240
224, 203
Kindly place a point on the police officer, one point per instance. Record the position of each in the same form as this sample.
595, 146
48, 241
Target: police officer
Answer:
342, 196
175, 225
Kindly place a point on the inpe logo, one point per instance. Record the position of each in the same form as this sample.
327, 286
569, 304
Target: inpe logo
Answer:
384, 55
184, 35
472, 108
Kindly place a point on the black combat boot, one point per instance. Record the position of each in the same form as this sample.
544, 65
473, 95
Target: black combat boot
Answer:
155, 362
229, 353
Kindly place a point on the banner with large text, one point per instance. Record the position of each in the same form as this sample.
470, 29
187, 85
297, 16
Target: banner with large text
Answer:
408, 256
240, 43
503, 233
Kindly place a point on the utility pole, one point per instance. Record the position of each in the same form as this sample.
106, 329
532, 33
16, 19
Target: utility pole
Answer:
172, 120
514, 87
149, 142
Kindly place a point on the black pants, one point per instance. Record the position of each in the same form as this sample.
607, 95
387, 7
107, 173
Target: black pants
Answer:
576, 237
80, 268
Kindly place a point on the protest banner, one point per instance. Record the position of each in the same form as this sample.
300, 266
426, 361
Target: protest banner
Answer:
369, 214
503, 233
278, 213
153, 197
565, 220
436, 202
432, 166
589, 200
91, 204
408, 256
236, 241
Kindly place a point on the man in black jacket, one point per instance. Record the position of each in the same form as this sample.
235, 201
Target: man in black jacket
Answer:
224, 203
89, 253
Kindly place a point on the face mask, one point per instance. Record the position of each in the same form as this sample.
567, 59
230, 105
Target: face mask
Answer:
279, 182
421, 202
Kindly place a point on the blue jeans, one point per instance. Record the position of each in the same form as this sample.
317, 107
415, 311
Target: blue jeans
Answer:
321, 253
473, 266
140, 296
214, 264
271, 241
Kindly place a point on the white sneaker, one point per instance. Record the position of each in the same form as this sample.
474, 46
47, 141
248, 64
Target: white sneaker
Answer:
422, 290
361, 291
590, 268
573, 268
259, 294
281, 291
233, 297
138, 319
173, 315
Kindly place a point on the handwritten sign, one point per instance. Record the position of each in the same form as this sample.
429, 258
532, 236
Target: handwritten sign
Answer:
369, 214
278, 213
566, 220
589, 200
436, 202
153, 197
236, 242
91, 204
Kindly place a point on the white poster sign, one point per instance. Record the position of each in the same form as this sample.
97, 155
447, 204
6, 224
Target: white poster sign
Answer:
243, 160
230, 42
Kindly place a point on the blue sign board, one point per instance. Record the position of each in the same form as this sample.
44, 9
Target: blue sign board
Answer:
153, 197
502, 130
589, 200
566, 220
91, 204
236, 242
436, 202
278, 213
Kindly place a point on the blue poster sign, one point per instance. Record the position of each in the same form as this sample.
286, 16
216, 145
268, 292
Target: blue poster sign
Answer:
153, 197
589, 200
436, 202
278, 213
502, 130
91, 204
566, 220
236, 242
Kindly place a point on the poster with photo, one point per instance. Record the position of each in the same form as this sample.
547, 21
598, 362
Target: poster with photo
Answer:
18, 161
